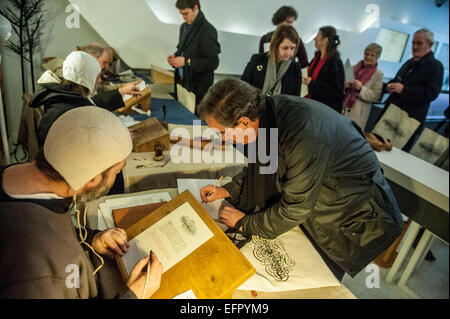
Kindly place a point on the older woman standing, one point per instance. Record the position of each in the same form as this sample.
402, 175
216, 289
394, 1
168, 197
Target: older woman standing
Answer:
326, 77
275, 72
366, 88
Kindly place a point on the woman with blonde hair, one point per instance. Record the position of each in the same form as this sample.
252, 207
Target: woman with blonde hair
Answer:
366, 87
275, 72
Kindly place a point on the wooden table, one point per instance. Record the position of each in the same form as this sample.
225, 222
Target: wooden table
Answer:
213, 271
111, 281
422, 192
143, 178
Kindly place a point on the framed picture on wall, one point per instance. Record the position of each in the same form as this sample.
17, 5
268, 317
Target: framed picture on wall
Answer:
442, 55
435, 46
393, 44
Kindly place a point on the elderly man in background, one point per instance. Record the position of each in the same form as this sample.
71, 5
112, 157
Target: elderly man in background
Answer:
418, 82
42, 257
109, 97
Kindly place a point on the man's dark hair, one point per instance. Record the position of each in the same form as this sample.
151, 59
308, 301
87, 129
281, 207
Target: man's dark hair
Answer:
230, 99
187, 4
46, 168
283, 13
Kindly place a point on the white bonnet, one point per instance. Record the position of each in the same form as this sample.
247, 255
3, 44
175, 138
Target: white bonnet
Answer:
81, 68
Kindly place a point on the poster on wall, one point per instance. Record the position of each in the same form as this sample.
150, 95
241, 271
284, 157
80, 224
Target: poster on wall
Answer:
393, 44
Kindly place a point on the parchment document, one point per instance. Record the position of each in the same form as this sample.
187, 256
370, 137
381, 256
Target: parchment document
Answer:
172, 238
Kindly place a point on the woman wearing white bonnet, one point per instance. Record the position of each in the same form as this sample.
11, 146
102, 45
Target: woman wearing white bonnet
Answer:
80, 73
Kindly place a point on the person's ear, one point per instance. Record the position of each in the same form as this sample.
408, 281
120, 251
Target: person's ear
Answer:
196, 9
93, 182
244, 121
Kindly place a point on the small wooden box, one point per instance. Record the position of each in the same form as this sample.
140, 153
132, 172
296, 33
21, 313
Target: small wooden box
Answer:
162, 76
146, 133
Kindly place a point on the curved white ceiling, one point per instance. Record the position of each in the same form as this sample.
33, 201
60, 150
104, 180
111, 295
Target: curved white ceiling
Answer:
254, 17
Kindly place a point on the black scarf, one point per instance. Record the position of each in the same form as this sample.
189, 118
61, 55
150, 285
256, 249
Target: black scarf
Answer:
188, 31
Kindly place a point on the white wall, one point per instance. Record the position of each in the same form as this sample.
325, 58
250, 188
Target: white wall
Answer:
142, 38
57, 40
149, 31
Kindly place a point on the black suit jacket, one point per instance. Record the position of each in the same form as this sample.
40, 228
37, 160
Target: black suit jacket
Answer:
202, 48
422, 82
255, 74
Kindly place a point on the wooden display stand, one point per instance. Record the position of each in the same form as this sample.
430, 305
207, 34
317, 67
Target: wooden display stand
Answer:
213, 270
144, 99
147, 133
387, 258
162, 76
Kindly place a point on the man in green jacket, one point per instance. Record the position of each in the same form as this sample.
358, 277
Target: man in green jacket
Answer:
197, 54
327, 178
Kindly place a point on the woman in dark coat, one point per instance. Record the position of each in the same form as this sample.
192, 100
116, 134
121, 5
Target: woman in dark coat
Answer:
326, 72
275, 72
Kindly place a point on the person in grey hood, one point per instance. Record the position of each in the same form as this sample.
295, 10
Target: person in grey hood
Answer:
327, 178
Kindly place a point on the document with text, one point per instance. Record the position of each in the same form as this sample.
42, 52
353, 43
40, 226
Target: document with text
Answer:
194, 186
172, 238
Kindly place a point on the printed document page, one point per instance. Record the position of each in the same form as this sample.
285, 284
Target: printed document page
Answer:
304, 87
348, 69
172, 238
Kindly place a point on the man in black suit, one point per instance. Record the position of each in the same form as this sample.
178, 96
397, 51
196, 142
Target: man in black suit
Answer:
197, 54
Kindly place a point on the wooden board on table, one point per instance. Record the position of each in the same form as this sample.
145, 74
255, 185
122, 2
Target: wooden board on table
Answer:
213, 270
162, 76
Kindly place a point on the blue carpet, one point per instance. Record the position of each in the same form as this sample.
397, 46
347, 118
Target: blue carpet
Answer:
177, 113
